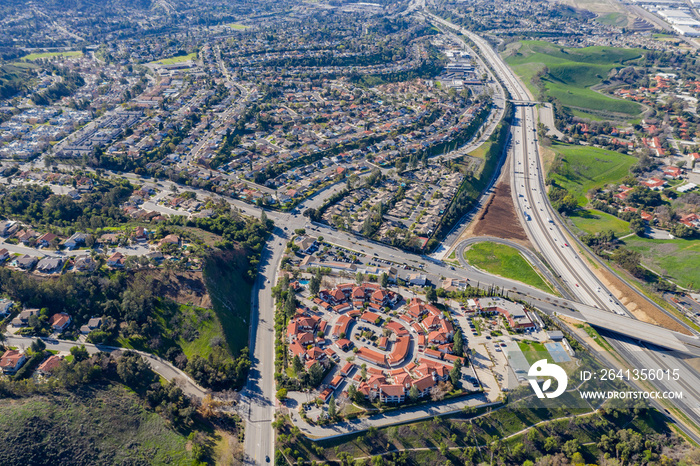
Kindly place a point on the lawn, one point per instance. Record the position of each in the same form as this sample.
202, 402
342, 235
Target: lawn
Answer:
176, 59
534, 351
678, 259
593, 221
572, 72
36, 56
105, 425
505, 261
583, 168
238, 27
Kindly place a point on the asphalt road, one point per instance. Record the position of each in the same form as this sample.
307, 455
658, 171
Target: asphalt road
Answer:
158, 365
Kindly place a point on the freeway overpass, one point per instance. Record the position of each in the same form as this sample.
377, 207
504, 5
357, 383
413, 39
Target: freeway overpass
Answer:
637, 330
528, 103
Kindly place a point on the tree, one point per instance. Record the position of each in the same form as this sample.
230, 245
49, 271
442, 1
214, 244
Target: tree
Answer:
38, 346
384, 280
315, 375
413, 393
353, 394
431, 295
637, 226
458, 346
314, 285
297, 365
331, 407
281, 393
456, 374
79, 353
359, 278
570, 448
132, 369
550, 444
290, 304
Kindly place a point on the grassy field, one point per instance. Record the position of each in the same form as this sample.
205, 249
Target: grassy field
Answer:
482, 150
613, 19
677, 259
105, 425
505, 261
572, 72
238, 27
534, 351
593, 221
36, 56
177, 59
583, 168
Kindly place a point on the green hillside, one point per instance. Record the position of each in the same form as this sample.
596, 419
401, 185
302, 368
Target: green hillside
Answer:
572, 72
580, 168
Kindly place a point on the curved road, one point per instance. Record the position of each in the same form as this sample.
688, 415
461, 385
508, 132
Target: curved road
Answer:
158, 365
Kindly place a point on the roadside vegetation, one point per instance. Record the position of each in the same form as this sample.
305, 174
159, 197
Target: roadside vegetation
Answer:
593, 221
676, 259
506, 262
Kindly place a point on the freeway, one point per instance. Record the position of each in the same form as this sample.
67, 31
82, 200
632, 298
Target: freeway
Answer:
544, 230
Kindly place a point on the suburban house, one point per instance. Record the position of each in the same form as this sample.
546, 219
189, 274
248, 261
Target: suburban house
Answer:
11, 361
4, 254
59, 322
25, 262
92, 324
46, 239
50, 265
49, 365
116, 260
85, 264
22, 320
76, 240
8, 227
6, 306
170, 239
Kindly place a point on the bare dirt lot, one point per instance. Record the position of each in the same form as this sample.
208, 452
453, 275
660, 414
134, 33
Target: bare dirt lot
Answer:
498, 218
637, 305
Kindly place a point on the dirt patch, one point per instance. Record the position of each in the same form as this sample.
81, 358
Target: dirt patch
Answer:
183, 287
498, 217
637, 305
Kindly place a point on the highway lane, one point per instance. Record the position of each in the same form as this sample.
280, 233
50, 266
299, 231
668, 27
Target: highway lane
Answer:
529, 187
